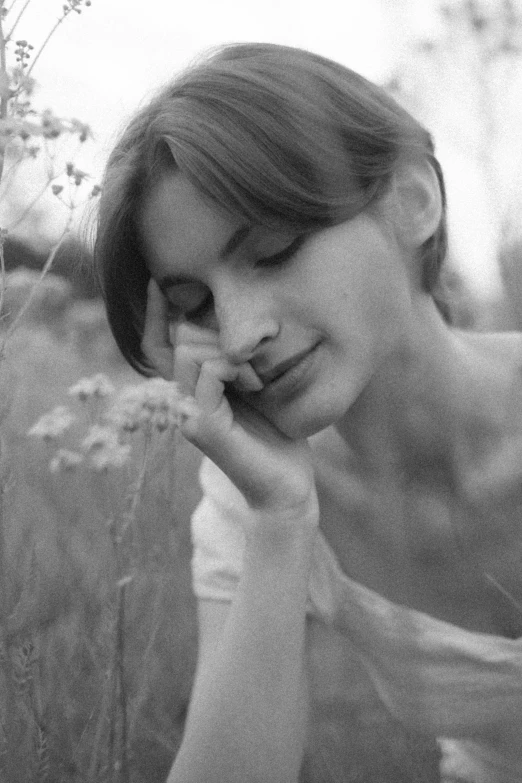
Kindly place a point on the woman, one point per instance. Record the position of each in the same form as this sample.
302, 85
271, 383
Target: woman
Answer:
271, 234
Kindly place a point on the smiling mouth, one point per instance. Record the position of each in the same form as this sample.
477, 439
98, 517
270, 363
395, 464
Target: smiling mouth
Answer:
280, 369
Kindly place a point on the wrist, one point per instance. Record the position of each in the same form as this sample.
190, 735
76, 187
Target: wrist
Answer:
289, 531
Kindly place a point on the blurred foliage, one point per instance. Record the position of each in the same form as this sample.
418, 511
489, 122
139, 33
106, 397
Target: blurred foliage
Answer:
463, 80
60, 588
38, 148
73, 262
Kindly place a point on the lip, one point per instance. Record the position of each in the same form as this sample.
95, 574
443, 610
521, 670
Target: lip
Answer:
288, 375
276, 372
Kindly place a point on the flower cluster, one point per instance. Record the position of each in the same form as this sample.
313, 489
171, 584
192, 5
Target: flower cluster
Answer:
151, 406
102, 446
23, 52
65, 459
54, 424
154, 404
74, 5
98, 386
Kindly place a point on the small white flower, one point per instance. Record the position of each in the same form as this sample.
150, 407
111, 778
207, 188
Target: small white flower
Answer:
113, 455
53, 424
104, 449
99, 437
154, 403
65, 459
96, 386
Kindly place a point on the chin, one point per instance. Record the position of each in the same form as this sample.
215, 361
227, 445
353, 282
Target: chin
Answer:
321, 405
298, 424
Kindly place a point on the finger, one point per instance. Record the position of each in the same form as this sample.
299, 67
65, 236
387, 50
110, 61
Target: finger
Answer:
188, 360
194, 345
247, 378
256, 456
210, 386
156, 343
194, 335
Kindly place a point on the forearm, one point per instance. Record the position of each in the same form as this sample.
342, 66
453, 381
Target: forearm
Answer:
247, 719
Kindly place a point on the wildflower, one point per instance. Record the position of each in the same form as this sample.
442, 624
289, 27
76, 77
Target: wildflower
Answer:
154, 403
104, 448
53, 424
99, 437
64, 459
113, 455
96, 386
82, 129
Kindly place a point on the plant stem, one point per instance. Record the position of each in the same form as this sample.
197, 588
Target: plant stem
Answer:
121, 767
15, 23
45, 269
8, 177
130, 516
4, 93
143, 680
117, 757
9, 712
42, 47
2, 283
32, 203
491, 579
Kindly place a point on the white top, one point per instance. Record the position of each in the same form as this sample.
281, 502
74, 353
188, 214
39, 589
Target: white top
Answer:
433, 677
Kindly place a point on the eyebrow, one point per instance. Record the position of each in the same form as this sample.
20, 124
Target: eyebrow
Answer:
230, 247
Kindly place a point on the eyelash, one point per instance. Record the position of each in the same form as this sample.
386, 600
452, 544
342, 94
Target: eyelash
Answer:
269, 261
199, 312
283, 255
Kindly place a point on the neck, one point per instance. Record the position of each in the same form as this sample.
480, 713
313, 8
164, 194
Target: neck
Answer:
427, 406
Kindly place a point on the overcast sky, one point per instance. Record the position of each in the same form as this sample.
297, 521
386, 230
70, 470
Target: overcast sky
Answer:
101, 64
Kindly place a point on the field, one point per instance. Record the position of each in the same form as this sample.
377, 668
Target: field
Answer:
89, 666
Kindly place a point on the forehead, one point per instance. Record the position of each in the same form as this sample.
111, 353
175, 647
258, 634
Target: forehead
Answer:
179, 226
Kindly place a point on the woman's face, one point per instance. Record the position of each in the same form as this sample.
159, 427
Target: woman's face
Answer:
313, 315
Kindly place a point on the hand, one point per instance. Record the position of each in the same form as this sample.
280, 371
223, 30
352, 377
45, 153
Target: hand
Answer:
272, 471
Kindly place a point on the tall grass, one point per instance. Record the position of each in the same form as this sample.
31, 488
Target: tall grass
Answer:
99, 629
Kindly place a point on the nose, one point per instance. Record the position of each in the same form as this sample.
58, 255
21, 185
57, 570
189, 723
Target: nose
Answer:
246, 321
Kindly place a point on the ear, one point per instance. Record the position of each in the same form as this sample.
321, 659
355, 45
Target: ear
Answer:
416, 202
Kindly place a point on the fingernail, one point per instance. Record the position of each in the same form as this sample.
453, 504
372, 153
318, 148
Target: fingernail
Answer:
248, 378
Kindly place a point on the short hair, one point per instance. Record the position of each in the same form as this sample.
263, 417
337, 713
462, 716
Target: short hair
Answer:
277, 135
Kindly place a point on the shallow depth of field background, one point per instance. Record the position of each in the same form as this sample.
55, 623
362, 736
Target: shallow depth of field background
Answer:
457, 65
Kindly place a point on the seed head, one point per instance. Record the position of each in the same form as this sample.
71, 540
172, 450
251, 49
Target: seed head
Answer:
113, 455
53, 424
65, 460
154, 403
97, 386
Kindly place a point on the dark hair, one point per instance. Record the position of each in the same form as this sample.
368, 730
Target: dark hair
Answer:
277, 135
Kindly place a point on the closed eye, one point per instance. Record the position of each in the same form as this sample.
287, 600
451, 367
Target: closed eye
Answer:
188, 300
283, 255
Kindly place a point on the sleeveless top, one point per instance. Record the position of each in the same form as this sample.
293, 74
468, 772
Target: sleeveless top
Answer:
395, 694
